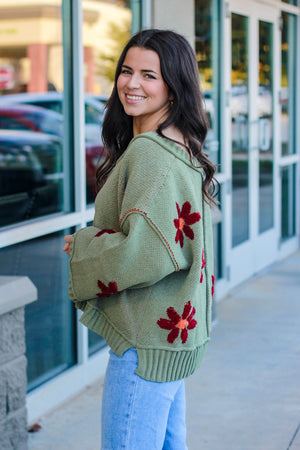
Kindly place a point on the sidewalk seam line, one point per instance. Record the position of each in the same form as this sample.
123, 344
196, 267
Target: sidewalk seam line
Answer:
294, 436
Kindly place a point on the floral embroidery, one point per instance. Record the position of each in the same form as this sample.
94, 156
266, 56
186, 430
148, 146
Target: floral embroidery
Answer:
213, 285
108, 290
202, 266
105, 231
185, 219
179, 323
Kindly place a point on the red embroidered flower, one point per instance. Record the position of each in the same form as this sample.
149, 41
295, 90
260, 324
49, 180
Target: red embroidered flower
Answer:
108, 290
185, 219
178, 323
105, 231
202, 266
213, 285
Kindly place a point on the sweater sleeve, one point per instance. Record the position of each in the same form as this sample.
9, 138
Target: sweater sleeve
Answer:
105, 264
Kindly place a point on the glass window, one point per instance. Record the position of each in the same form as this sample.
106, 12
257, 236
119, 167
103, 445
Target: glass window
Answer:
287, 96
265, 113
106, 29
239, 105
31, 132
288, 201
207, 47
207, 32
49, 321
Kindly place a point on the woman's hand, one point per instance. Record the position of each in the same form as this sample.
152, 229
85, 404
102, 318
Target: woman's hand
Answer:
66, 247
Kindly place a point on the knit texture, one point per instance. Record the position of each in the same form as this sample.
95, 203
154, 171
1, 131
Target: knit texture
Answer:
143, 273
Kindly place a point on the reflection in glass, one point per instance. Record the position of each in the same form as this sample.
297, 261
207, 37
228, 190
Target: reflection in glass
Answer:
287, 96
31, 136
208, 55
31, 47
218, 236
49, 321
96, 342
265, 124
239, 105
31, 175
106, 29
291, 2
288, 201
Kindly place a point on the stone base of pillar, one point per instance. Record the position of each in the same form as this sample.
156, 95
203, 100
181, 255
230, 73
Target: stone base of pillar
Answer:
15, 293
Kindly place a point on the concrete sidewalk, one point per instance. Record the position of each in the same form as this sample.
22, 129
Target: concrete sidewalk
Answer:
246, 395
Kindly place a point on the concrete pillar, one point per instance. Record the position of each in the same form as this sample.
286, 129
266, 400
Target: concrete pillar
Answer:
15, 293
38, 55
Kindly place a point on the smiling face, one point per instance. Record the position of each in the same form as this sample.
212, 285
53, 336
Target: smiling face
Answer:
142, 90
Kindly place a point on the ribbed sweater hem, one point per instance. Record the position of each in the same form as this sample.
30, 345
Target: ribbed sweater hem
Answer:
160, 365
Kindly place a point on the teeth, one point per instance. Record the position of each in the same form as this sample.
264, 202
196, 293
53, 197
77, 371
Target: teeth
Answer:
134, 97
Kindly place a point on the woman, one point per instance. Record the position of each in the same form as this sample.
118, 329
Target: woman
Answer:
143, 274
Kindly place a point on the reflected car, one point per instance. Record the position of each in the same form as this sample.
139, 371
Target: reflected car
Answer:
20, 168
94, 156
265, 101
30, 118
94, 109
31, 175
99, 98
30, 160
239, 101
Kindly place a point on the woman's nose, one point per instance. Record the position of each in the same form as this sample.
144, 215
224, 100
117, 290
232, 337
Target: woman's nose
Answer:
134, 81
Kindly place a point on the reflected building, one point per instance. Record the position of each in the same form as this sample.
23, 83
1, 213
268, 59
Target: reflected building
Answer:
31, 46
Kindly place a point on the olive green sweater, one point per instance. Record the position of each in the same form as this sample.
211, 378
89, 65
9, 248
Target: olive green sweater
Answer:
143, 274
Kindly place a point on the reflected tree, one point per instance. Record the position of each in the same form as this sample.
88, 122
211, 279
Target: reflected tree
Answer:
119, 35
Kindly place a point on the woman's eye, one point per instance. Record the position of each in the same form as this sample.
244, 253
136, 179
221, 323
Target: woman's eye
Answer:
149, 76
126, 71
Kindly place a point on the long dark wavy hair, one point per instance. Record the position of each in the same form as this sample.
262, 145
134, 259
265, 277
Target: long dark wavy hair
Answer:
180, 73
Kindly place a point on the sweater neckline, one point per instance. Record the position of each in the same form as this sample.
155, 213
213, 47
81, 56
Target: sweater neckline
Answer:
171, 146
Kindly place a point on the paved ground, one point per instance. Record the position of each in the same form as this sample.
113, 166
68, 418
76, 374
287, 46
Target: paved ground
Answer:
246, 395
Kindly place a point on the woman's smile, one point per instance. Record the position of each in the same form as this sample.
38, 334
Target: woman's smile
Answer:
133, 98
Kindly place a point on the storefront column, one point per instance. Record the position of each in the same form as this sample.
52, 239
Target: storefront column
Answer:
89, 73
38, 56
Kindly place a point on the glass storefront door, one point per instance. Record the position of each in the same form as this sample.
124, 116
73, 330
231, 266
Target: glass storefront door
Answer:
254, 33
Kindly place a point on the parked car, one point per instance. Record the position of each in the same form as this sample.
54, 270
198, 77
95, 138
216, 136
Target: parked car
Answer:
94, 109
30, 118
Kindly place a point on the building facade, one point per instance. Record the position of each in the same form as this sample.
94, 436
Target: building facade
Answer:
57, 60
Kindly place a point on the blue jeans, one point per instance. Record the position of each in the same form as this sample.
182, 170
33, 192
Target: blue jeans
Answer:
138, 414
